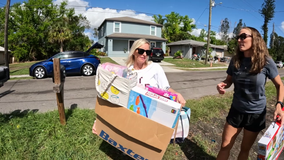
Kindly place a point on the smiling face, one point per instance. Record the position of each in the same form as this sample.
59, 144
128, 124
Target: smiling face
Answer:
141, 59
245, 44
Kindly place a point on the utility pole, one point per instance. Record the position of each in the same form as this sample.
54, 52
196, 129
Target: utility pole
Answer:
208, 33
6, 53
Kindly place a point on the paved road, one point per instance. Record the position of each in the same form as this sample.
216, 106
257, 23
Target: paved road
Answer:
80, 91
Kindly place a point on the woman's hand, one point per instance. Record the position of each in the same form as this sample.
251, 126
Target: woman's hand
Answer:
94, 130
221, 87
278, 112
180, 99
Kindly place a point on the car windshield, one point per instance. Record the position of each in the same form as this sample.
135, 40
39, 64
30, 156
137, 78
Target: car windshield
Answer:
158, 51
60, 55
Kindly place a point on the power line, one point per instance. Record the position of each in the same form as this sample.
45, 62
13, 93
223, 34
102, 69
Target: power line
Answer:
201, 14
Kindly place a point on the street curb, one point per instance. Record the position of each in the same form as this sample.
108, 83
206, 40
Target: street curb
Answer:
19, 76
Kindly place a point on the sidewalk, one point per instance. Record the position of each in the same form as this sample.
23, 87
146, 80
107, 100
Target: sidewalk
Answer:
19, 76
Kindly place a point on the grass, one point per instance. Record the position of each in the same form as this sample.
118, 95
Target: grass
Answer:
32, 135
188, 63
107, 59
20, 68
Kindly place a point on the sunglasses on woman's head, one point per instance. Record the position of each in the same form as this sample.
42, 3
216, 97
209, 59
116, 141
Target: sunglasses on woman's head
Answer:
243, 36
141, 51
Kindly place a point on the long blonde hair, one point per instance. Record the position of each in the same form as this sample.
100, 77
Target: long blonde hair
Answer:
131, 58
260, 52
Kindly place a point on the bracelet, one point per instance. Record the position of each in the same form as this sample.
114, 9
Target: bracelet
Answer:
279, 103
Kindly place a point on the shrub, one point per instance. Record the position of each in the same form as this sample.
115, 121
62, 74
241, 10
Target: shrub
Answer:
178, 53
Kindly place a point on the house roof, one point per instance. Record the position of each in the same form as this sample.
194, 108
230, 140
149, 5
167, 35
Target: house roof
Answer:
131, 20
195, 44
2, 49
135, 36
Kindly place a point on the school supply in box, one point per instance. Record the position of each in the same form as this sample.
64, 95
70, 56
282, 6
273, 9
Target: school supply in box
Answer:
271, 143
134, 135
164, 93
153, 106
182, 130
119, 70
114, 88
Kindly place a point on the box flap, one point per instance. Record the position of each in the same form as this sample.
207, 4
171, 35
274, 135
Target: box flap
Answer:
134, 125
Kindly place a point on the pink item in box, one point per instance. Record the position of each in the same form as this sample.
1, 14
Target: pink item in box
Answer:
116, 69
161, 92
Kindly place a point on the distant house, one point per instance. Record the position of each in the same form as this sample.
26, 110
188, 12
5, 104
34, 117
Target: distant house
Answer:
2, 55
191, 47
118, 34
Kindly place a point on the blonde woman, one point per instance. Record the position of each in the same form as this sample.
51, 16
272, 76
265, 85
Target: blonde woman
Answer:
148, 72
248, 70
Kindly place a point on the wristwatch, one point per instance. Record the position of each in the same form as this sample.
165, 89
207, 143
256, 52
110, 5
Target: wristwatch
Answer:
279, 103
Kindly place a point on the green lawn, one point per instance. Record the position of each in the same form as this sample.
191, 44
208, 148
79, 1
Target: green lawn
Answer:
107, 59
20, 68
31, 135
188, 63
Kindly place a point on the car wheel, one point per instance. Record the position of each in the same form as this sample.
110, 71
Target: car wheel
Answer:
39, 72
87, 70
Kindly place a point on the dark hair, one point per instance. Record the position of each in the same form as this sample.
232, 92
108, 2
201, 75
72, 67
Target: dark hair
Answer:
259, 52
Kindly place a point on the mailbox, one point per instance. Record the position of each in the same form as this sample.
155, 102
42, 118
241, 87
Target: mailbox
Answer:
4, 75
62, 74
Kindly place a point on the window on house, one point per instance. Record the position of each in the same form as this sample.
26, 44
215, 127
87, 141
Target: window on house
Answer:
102, 32
153, 44
117, 27
153, 30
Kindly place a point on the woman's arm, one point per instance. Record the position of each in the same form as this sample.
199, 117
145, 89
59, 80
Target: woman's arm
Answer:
180, 98
224, 85
280, 95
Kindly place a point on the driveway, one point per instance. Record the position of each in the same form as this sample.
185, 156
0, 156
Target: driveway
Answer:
168, 67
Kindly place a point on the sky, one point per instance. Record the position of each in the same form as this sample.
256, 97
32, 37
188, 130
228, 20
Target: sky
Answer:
197, 10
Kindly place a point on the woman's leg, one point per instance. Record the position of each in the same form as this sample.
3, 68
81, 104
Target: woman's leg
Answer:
229, 136
248, 140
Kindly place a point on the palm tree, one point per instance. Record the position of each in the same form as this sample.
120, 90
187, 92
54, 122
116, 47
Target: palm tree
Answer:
60, 32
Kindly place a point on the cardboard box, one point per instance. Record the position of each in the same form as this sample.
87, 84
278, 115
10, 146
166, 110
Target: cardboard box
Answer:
271, 143
131, 133
154, 106
114, 88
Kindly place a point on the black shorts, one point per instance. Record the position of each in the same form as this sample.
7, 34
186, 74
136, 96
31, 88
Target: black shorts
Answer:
250, 122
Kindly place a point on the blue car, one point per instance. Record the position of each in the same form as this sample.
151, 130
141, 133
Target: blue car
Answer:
75, 62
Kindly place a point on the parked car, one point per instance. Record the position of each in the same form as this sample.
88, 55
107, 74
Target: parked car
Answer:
75, 62
157, 54
279, 64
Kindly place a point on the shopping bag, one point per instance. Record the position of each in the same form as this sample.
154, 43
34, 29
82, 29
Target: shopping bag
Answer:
182, 129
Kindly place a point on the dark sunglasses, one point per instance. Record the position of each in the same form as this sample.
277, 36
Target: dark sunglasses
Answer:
141, 51
243, 36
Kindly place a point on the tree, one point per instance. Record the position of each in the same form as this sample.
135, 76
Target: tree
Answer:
225, 26
267, 12
32, 24
238, 28
277, 51
176, 27
232, 45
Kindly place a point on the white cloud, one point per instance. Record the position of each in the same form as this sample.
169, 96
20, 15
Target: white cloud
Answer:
97, 15
282, 26
196, 32
89, 34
